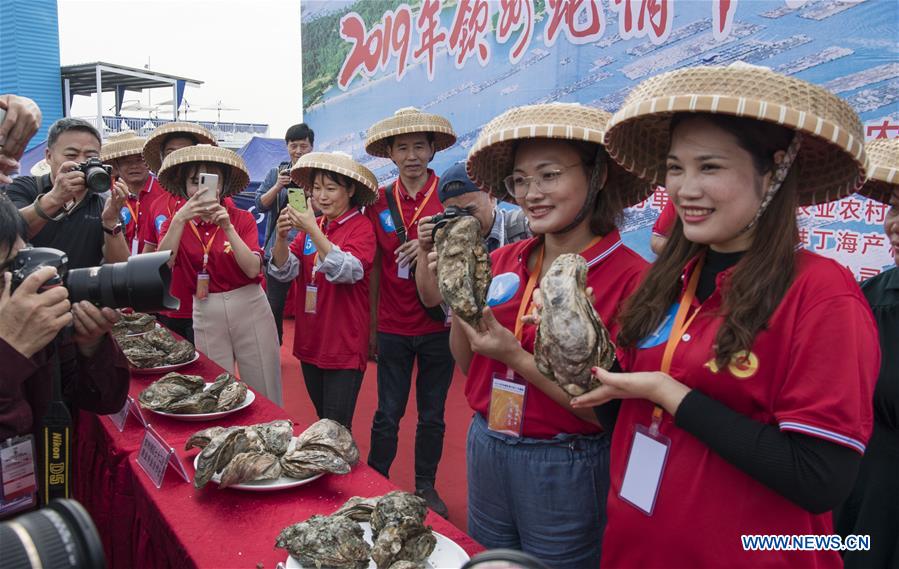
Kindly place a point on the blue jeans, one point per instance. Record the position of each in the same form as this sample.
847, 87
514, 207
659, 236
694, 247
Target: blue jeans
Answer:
396, 354
544, 497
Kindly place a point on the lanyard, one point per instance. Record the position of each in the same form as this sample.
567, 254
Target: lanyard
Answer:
206, 246
321, 223
134, 211
680, 325
418, 210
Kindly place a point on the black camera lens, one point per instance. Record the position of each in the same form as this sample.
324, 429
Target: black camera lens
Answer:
97, 179
141, 283
61, 535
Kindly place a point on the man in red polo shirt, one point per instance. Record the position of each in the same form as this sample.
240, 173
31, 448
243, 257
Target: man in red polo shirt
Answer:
124, 153
406, 332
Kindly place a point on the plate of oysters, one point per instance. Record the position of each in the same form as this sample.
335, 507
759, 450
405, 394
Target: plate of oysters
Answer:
384, 531
157, 351
191, 398
267, 457
134, 324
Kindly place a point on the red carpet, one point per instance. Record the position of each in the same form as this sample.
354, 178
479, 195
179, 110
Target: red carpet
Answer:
451, 479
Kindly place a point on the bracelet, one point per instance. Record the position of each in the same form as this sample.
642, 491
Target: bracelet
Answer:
43, 214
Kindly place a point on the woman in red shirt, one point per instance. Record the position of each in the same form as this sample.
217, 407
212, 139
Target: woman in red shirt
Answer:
331, 258
752, 361
215, 250
538, 469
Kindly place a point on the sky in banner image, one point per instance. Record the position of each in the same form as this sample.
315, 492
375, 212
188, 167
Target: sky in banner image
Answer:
470, 60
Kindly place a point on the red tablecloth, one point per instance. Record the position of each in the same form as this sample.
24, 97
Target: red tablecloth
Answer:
180, 526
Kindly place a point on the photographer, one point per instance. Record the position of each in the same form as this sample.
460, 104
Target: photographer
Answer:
94, 372
61, 210
21, 118
272, 197
499, 226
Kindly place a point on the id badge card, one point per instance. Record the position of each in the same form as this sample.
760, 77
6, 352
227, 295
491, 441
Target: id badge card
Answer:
644, 469
507, 404
18, 478
311, 298
134, 246
202, 286
402, 271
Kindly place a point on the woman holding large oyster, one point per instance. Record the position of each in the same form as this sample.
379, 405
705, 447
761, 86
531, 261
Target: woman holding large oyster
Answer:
751, 361
537, 469
215, 248
332, 258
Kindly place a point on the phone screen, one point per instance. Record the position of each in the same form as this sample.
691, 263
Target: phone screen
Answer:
297, 199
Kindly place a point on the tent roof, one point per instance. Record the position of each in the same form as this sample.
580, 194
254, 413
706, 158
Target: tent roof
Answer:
83, 78
262, 154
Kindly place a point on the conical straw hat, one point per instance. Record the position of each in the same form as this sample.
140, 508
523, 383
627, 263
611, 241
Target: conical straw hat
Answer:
153, 146
240, 176
883, 169
408, 120
301, 173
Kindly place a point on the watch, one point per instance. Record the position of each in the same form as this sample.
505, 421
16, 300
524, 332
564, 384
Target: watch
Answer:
116, 229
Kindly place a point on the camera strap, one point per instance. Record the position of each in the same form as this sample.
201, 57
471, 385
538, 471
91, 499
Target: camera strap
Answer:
56, 438
434, 312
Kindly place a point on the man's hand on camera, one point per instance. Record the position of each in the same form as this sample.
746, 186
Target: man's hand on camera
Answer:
68, 185
91, 326
114, 203
23, 118
29, 319
283, 180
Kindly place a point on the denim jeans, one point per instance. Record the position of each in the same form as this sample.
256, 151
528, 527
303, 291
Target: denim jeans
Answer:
544, 497
277, 292
396, 354
333, 392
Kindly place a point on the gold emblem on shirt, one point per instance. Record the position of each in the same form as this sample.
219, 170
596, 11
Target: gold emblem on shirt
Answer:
743, 365
227, 247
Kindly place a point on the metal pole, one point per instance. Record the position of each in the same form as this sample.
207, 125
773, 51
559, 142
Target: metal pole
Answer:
175, 100
100, 101
67, 84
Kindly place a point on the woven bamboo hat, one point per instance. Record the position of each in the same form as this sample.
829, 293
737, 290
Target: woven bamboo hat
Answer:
883, 169
153, 146
493, 154
239, 178
408, 120
367, 187
831, 159
40, 168
121, 145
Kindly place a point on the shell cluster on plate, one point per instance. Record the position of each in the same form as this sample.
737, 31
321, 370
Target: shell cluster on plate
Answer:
132, 323
156, 348
571, 338
463, 267
400, 539
187, 394
268, 451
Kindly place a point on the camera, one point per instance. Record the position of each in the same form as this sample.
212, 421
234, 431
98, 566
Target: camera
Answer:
141, 282
442, 218
284, 168
97, 175
62, 535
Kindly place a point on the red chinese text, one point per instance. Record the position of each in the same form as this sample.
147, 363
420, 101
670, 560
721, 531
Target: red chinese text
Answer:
565, 15
514, 14
469, 28
372, 50
652, 17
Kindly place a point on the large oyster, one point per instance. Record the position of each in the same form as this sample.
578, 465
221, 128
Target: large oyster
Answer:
326, 541
358, 508
202, 438
160, 338
179, 353
220, 383
330, 435
274, 436
143, 355
231, 396
134, 323
250, 466
202, 402
305, 463
463, 267
398, 530
571, 338
218, 453
170, 388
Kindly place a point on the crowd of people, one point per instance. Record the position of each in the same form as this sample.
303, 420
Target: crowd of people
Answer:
754, 391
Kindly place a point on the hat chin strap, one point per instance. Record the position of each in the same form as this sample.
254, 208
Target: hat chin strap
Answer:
590, 201
780, 174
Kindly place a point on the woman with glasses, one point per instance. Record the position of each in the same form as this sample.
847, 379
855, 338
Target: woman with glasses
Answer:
538, 469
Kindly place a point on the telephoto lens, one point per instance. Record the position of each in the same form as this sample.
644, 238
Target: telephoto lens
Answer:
60, 536
141, 282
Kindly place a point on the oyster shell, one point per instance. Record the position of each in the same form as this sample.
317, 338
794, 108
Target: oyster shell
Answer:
179, 353
230, 397
134, 323
250, 466
170, 388
398, 529
274, 436
463, 267
397, 507
407, 565
144, 355
304, 463
571, 338
202, 402
358, 508
220, 383
160, 338
201, 438
331, 435
326, 541
218, 453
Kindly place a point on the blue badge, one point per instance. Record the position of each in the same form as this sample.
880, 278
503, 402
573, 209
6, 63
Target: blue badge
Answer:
125, 214
160, 219
308, 246
387, 222
503, 288
661, 333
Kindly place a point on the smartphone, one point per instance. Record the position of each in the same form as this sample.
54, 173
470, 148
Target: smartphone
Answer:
209, 182
297, 199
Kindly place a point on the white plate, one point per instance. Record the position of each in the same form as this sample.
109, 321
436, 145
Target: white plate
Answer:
250, 397
447, 553
164, 369
281, 483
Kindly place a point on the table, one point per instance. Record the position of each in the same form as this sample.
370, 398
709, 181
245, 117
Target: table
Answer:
180, 526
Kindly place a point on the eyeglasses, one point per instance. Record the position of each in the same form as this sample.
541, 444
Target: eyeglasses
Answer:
547, 181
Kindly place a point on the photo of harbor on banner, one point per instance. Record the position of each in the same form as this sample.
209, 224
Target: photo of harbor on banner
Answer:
470, 60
